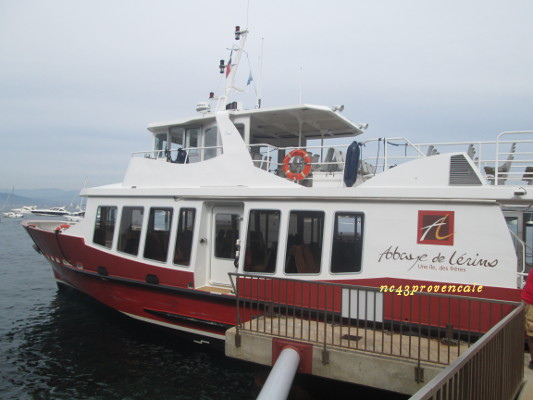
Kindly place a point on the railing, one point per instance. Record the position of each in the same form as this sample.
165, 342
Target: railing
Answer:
323, 158
189, 154
508, 161
492, 368
421, 326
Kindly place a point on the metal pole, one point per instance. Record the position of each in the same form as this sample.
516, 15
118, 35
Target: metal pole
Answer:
279, 381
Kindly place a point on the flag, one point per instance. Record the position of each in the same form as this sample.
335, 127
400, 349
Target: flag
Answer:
228, 67
250, 79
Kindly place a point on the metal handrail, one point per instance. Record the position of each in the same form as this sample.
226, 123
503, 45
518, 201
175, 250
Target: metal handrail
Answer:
523, 246
384, 157
425, 327
487, 154
161, 154
492, 368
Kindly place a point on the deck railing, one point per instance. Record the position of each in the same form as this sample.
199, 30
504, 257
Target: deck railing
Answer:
492, 368
426, 327
506, 160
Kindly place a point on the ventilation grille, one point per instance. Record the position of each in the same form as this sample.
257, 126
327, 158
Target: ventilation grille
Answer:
461, 172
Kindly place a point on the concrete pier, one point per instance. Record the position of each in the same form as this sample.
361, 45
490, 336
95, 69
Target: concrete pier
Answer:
394, 373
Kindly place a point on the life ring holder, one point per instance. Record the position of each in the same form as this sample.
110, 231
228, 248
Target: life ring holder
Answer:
307, 162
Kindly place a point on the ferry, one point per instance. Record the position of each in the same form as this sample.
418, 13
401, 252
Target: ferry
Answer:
292, 192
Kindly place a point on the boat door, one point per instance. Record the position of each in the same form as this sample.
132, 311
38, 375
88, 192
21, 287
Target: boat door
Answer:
226, 230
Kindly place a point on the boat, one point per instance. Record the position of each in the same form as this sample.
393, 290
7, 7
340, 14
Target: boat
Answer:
13, 214
51, 212
75, 216
24, 209
270, 192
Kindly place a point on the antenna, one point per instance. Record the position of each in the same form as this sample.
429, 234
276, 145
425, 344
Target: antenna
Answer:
247, 13
300, 85
260, 84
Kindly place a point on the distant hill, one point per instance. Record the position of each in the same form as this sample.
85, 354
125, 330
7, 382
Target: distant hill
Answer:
39, 197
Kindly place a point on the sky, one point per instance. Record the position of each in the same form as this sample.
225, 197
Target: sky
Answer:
81, 79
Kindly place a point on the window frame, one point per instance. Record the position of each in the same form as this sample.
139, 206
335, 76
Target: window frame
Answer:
151, 233
248, 240
120, 229
358, 215
106, 233
191, 247
305, 253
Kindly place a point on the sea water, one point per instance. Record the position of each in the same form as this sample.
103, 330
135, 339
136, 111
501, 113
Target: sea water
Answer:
56, 345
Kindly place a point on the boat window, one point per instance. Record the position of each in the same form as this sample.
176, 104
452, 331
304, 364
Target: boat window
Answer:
210, 142
158, 233
304, 242
176, 142
182, 249
160, 145
241, 128
262, 241
192, 138
130, 230
104, 226
227, 229
176, 136
347, 242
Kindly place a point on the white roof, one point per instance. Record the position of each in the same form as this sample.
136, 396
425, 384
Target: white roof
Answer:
283, 123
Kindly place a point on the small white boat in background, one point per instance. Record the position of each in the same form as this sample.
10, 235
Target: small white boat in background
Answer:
13, 214
75, 216
24, 209
51, 212
9, 214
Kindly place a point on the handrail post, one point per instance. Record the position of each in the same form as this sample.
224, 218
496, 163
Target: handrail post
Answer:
238, 316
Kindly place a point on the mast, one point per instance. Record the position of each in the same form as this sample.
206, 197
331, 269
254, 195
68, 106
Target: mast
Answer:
232, 67
8, 198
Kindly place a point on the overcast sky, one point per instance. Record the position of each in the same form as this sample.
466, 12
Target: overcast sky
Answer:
80, 80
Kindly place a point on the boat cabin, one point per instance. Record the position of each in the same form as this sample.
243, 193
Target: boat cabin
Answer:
270, 135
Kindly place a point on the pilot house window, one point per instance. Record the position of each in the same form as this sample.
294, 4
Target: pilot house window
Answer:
104, 226
347, 243
130, 230
161, 145
304, 243
158, 233
262, 241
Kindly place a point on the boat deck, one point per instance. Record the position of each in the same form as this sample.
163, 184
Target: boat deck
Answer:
216, 289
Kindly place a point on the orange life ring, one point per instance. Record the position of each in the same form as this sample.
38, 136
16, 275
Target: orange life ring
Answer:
307, 168
63, 226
